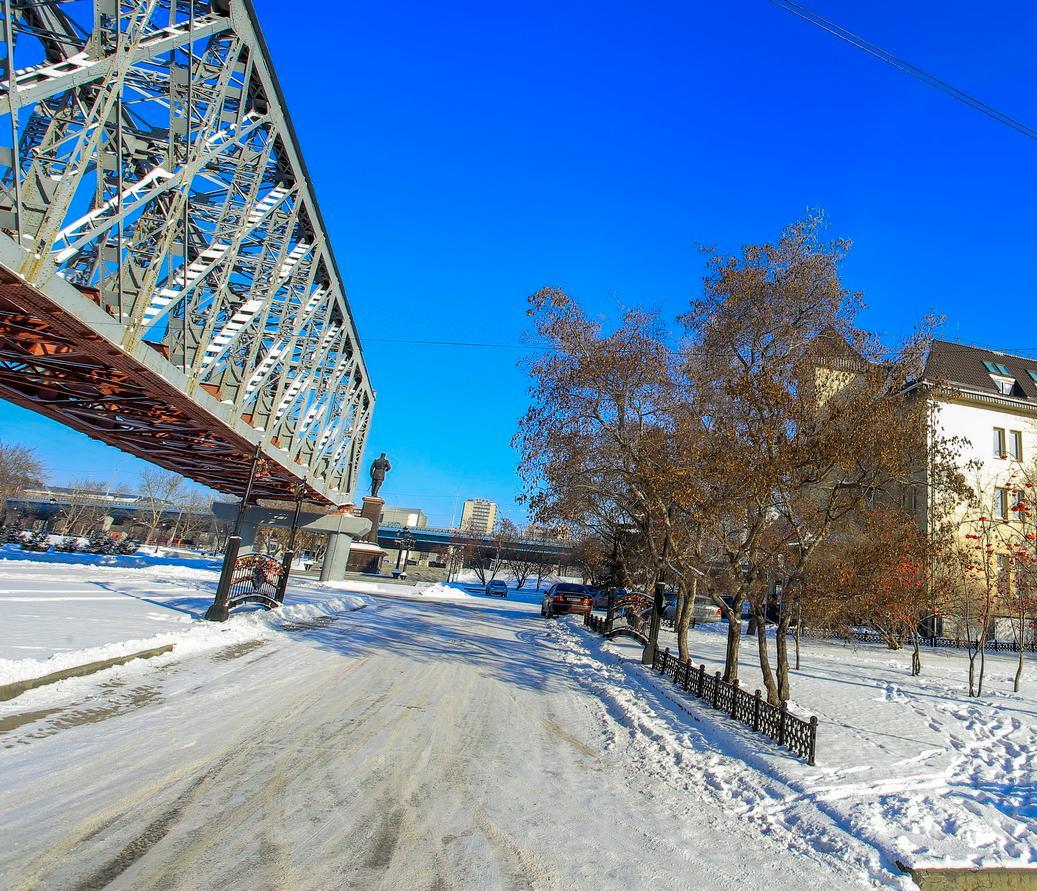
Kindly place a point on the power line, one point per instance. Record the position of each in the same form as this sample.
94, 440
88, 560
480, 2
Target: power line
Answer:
903, 65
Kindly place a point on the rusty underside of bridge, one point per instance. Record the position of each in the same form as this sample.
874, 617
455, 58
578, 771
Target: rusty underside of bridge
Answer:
54, 364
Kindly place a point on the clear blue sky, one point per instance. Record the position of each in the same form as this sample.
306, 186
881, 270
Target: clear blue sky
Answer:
466, 154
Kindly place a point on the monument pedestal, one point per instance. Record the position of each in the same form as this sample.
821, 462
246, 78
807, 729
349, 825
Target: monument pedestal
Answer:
372, 510
365, 555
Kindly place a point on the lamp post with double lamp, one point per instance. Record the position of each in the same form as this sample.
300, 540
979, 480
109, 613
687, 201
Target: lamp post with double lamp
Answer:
403, 545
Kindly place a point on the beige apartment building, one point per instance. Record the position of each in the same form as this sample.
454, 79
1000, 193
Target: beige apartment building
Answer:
478, 515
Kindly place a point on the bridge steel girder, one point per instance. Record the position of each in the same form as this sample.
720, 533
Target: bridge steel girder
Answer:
166, 281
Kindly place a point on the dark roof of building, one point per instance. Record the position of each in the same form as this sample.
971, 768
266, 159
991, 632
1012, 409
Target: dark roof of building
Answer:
956, 363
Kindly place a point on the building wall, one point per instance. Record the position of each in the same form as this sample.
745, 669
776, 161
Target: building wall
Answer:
412, 517
975, 424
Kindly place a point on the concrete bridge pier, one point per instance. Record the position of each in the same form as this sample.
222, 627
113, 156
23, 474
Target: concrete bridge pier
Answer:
335, 557
248, 537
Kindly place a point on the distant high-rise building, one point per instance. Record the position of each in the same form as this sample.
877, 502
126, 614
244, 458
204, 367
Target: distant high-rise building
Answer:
478, 515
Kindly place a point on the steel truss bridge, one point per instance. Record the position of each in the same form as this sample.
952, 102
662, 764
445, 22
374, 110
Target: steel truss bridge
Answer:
166, 281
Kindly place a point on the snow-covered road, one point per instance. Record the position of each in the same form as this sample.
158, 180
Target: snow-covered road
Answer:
411, 744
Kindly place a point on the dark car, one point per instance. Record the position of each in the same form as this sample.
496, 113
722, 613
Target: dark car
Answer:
566, 597
497, 588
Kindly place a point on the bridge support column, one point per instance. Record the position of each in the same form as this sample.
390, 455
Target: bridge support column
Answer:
333, 568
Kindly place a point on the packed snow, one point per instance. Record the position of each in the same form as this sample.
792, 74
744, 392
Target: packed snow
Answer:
441, 736
413, 744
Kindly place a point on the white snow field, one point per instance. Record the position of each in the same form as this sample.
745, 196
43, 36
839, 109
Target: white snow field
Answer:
912, 768
423, 742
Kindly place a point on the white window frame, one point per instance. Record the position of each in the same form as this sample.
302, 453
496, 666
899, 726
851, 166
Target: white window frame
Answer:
1015, 445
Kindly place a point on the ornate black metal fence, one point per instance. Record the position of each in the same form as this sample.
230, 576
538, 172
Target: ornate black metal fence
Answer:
993, 646
795, 734
775, 722
257, 579
866, 635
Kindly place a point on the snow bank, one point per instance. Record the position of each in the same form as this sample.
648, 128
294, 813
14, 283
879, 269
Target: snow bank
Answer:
441, 591
58, 617
431, 590
197, 636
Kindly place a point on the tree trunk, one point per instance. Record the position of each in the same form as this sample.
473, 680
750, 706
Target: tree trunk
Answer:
972, 670
799, 629
765, 663
916, 655
686, 609
781, 648
982, 661
734, 638
1020, 641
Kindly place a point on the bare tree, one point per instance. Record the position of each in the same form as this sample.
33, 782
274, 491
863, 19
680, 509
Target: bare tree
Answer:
20, 469
738, 453
84, 506
194, 515
159, 491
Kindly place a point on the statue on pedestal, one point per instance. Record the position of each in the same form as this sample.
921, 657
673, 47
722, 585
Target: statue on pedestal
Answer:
379, 468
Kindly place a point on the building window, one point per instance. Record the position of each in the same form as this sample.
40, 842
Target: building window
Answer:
1001, 503
1015, 445
1033, 374
997, 368
999, 442
1004, 385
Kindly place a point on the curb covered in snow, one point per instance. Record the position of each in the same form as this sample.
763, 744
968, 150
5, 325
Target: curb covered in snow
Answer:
22, 675
9, 691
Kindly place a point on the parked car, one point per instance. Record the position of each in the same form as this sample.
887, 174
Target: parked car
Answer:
497, 588
566, 597
705, 610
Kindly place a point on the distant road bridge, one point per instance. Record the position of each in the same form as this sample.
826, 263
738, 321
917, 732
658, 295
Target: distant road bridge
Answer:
166, 281
428, 539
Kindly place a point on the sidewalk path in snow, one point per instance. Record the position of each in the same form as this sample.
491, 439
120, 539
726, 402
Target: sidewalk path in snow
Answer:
411, 744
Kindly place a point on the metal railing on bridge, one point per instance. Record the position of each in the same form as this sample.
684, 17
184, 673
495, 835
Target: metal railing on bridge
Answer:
166, 281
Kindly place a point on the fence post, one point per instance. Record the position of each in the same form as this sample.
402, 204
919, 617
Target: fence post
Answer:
734, 698
782, 715
702, 678
716, 688
756, 711
813, 739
